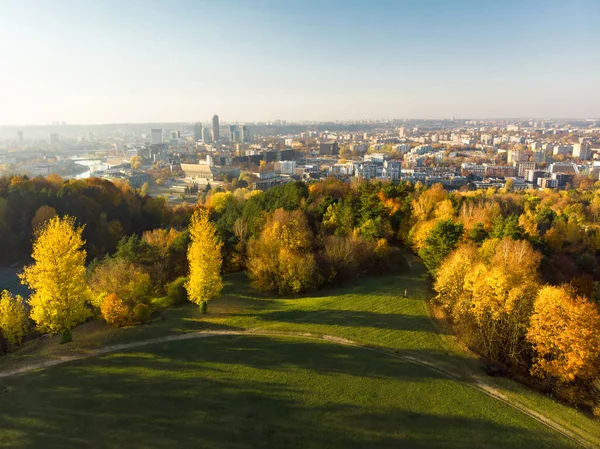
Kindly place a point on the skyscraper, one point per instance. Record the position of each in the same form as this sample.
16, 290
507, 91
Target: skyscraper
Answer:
156, 136
232, 130
20, 137
245, 136
215, 123
198, 132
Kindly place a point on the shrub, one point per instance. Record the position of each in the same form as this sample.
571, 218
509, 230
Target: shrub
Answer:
115, 311
13, 318
66, 337
176, 292
142, 313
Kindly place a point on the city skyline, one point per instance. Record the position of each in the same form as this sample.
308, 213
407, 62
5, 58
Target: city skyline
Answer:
183, 61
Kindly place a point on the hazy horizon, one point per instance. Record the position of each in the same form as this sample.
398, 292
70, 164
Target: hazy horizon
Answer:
89, 63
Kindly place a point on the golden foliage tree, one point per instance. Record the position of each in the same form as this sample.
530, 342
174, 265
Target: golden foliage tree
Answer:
489, 294
280, 258
57, 277
130, 283
115, 311
424, 206
41, 217
205, 260
161, 240
13, 317
565, 335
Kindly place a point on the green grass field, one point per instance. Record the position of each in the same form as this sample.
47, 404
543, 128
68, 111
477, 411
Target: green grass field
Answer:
277, 390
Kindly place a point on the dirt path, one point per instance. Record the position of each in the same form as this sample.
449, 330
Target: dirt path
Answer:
477, 384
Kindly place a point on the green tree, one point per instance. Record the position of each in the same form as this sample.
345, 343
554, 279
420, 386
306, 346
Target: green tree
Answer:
440, 242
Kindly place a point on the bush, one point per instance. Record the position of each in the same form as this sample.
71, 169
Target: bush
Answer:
161, 302
142, 313
14, 322
115, 311
66, 337
176, 292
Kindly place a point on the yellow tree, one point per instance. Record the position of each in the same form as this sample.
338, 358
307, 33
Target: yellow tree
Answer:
450, 277
205, 260
57, 277
135, 162
280, 258
42, 215
565, 335
13, 317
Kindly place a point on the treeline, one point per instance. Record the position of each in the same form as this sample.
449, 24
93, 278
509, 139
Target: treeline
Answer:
518, 275
109, 211
298, 237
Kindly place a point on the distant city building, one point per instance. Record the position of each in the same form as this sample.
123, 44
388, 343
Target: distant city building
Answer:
547, 183
366, 171
245, 135
515, 156
215, 128
198, 132
285, 167
533, 175
20, 137
392, 170
563, 167
329, 149
582, 151
54, 138
401, 132
500, 171
523, 167
206, 135
539, 156
156, 136
561, 149
232, 131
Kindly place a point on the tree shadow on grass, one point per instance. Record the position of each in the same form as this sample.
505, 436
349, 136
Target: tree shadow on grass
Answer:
393, 321
232, 392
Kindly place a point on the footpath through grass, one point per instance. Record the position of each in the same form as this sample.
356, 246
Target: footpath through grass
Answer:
251, 391
274, 386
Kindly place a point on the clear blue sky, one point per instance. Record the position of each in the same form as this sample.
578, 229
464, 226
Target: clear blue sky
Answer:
87, 61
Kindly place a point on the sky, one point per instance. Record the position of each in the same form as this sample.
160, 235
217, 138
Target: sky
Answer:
113, 61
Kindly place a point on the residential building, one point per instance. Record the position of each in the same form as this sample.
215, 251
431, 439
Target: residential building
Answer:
392, 170
523, 167
582, 151
539, 156
285, 167
547, 183
500, 171
532, 176
366, 171
329, 149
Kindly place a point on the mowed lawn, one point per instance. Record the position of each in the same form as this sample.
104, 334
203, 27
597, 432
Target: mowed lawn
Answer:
255, 391
266, 390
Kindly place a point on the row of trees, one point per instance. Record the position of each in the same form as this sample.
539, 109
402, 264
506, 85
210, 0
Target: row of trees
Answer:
117, 288
517, 273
